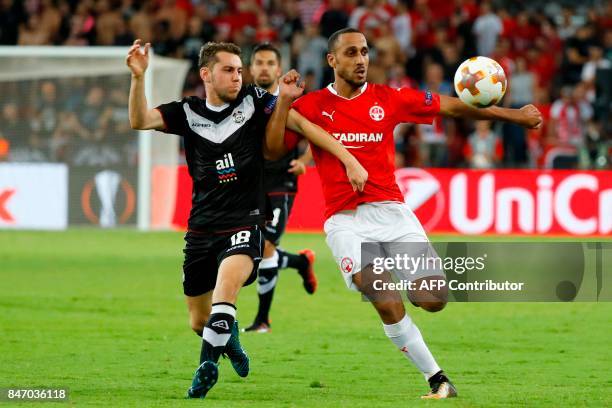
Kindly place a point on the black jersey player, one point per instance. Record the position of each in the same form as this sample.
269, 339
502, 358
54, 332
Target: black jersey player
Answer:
280, 184
225, 144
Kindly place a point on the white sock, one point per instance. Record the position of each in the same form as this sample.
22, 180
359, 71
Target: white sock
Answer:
407, 337
268, 274
271, 262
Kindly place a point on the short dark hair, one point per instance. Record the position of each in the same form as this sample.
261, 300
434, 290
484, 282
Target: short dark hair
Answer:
333, 39
208, 52
266, 46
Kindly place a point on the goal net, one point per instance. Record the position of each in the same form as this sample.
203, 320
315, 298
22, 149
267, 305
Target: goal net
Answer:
67, 153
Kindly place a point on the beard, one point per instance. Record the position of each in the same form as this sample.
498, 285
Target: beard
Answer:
353, 82
266, 83
226, 97
356, 83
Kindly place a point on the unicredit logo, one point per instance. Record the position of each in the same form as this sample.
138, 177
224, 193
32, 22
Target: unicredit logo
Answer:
419, 187
503, 202
535, 210
5, 214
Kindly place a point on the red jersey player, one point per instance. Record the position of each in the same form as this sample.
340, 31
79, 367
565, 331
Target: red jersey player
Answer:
362, 117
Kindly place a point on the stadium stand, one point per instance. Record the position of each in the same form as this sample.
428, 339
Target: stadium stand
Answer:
556, 56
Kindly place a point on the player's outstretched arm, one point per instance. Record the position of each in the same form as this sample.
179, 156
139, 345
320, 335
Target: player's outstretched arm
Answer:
528, 116
355, 172
141, 117
274, 145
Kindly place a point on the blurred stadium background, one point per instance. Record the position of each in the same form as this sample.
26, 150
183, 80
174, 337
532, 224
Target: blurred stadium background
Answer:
64, 109
68, 158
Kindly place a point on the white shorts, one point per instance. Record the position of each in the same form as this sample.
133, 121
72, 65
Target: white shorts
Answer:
371, 222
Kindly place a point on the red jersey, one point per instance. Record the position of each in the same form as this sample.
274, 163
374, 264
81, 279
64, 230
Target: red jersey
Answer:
363, 124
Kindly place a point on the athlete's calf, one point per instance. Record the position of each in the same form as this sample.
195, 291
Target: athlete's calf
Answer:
199, 311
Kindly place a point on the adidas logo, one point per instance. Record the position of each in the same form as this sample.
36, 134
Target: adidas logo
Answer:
222, 324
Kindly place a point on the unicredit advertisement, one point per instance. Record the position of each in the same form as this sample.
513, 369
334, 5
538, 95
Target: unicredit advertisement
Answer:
525, 202
33, 196
510, 201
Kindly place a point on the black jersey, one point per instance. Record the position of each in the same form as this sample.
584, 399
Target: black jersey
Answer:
277, 176
224, 156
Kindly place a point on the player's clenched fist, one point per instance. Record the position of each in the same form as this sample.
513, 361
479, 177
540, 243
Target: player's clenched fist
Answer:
290, 86
136, 60
531, 117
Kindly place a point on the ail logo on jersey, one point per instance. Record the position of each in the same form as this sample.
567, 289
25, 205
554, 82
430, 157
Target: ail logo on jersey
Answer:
226, 170
357, 137
377, 113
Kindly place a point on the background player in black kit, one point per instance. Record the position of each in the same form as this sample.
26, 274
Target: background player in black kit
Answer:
280, 184
225, 148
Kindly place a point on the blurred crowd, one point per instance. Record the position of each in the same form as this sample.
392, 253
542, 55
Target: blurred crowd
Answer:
556, 55
71, 120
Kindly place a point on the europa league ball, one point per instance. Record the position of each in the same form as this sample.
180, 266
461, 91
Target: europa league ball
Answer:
480, 82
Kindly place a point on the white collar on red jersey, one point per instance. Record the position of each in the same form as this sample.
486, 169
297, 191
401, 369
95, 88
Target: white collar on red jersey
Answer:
331, 89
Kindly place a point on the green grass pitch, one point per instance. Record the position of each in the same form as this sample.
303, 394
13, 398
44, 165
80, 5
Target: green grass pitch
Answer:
102, 313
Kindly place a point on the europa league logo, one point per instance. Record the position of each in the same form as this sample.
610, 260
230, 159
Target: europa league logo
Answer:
107, 184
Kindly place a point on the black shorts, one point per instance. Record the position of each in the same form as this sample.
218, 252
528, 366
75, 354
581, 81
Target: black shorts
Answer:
204, 252
281, 208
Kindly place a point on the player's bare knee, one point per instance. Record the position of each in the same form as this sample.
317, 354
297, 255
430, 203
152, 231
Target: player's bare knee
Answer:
430, 296
390, 312
432, 306
269, 249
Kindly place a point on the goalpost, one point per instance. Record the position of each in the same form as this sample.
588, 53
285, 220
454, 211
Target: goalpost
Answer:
71, 109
